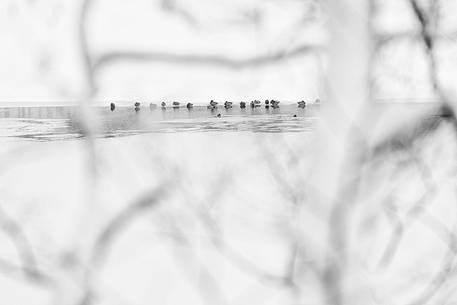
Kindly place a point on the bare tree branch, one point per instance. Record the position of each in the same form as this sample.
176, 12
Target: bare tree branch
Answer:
112, 231
122, 220
84, 47
23, 247
170, 6
447, 264
414, 212
233, 256
426, 22
209, 60
414, 35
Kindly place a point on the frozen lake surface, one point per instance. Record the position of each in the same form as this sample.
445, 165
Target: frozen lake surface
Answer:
57, 123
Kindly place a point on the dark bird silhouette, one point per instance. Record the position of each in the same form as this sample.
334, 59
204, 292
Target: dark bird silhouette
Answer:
212, 105
255, 103
242, 105
137, 106
302, 104
112, 106
189, 105
164, 105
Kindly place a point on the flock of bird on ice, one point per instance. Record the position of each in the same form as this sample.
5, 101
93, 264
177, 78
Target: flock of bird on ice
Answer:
213, 105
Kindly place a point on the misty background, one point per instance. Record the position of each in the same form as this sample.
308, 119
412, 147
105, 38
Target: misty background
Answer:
350, 200
174, 49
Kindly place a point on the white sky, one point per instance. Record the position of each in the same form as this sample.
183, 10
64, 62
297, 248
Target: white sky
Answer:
41, 60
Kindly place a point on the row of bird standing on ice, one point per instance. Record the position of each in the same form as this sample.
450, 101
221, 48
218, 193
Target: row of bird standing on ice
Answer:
213, 105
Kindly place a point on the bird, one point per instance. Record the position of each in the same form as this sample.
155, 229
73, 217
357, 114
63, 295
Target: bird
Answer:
267, 104
295, 115
137, 106
227, 105
242, 105
302, 104
175, 105
274, 104
218, 115
189, 105
164, 105
212, 105
112, 106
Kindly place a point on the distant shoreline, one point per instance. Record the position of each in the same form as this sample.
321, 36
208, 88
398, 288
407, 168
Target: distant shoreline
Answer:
123, 103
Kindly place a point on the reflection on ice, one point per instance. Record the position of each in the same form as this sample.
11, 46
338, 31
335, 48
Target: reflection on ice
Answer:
58, 123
